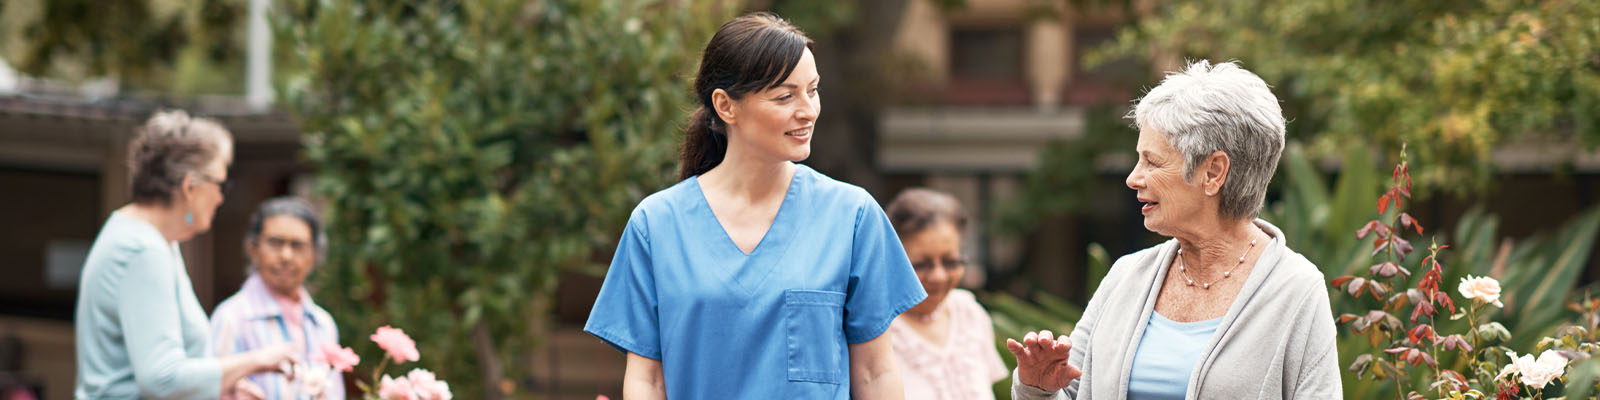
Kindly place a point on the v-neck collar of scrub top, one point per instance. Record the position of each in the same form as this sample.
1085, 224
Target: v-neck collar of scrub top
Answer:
750, 271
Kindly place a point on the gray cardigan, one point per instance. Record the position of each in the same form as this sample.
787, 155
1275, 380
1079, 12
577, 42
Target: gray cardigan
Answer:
1277, 340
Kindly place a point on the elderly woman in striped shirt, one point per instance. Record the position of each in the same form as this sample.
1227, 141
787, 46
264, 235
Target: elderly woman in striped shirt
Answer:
284, 242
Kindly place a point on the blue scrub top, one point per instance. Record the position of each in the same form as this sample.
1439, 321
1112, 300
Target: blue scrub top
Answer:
773, 324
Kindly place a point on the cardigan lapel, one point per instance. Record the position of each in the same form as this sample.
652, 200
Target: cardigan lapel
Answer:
1265, 265
1123, 338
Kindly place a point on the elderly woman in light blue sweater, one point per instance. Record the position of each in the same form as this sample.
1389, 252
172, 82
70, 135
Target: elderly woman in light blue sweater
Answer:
140, 331
1224, 310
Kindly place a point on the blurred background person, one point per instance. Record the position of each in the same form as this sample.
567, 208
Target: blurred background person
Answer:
284, 243
944, 345
141, 333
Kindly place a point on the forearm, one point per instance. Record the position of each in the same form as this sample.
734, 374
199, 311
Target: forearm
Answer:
873, 372
882, 383
639, 390
642, 380
238, 366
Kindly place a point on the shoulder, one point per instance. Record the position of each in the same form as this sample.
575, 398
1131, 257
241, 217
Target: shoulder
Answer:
1297, 277
827, 193
323, 317
229, 308
677, 196
123, 235
964, 305
1294, 272
658, 208
125, 244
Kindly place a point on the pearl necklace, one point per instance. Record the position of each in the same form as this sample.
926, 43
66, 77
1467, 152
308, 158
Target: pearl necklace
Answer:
1225, 274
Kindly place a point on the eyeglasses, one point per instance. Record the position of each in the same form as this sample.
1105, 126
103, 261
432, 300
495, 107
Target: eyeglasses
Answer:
223, 185
274, 243
949, 264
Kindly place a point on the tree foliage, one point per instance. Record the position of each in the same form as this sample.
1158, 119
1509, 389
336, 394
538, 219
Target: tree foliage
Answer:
174, 46
471, 151
1455, 79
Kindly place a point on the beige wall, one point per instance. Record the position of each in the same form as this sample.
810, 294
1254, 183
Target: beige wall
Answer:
924, 36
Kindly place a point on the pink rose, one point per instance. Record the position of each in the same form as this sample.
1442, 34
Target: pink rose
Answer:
340, 358
395, 389
426, 386
395, 341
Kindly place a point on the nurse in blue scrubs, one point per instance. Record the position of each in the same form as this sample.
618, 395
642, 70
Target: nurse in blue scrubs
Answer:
755, 277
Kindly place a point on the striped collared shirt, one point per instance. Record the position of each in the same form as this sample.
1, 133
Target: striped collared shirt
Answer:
252, 319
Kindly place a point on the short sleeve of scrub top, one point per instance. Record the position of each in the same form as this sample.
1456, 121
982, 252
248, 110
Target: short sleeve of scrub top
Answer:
775, 323
629, 323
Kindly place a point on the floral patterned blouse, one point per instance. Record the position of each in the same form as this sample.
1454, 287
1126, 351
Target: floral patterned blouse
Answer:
964, 367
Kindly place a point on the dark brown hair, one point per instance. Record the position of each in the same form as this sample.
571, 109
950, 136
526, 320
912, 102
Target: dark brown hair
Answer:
166, 149
750, 53
917, 209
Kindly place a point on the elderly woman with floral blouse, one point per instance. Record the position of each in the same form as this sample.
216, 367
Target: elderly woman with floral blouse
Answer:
945, 344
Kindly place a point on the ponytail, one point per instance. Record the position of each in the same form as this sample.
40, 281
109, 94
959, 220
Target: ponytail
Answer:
704, 144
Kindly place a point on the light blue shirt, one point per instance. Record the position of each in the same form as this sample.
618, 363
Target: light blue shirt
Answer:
140, 331
1167, 355
773, 324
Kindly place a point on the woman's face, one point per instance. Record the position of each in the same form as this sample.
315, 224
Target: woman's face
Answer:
935, 254
283, 253
776, 123
1169, 202
204, 189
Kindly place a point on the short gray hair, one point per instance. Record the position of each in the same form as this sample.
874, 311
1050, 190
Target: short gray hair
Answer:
1208, 108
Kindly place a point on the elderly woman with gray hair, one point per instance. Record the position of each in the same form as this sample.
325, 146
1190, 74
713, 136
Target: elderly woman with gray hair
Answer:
141, 332
1224, 310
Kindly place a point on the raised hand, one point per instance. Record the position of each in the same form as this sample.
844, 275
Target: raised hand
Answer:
1042, 361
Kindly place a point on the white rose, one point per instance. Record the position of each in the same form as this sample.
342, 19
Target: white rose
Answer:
1536, 373
1482, 288
312, 379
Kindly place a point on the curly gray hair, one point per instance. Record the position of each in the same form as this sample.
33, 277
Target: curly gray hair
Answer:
166, 149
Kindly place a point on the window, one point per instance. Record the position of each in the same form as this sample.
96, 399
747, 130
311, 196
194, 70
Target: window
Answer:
1097, 85
986, 67
986, 54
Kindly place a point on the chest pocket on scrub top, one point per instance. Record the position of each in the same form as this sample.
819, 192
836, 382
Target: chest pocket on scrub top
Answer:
814, 335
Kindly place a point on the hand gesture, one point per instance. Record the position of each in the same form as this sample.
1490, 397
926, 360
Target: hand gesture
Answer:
275, 358
1042, 361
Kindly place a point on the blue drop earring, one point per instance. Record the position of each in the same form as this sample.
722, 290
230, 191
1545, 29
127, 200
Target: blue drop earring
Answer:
188, 218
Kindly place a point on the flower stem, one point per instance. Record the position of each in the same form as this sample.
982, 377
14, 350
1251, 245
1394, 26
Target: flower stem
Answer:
1398, 390
378, 371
